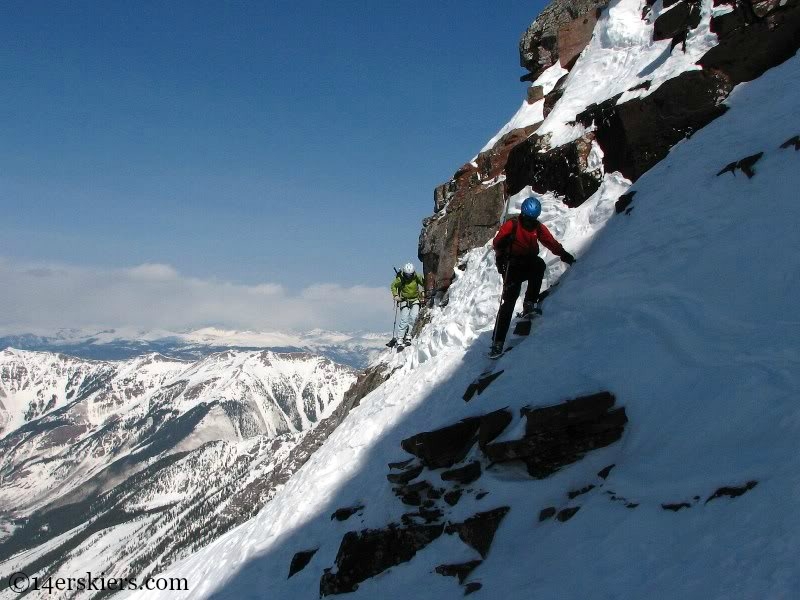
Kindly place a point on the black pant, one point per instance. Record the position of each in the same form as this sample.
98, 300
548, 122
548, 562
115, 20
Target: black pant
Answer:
519, 271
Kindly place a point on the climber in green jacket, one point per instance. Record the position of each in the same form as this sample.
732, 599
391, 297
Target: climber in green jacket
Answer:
408, 292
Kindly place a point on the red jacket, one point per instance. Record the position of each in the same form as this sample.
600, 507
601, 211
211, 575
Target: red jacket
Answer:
526, 241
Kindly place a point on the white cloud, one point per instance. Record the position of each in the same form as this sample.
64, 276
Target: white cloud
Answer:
153, 295
153, 271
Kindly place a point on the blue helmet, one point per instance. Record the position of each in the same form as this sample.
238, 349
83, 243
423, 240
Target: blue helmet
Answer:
531, 208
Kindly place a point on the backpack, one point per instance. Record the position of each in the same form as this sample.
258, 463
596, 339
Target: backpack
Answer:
503, 255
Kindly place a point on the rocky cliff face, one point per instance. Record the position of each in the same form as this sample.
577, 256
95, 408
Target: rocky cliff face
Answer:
558, 34
563, 141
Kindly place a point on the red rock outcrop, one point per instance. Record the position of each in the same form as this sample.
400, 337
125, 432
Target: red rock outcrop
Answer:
560, 33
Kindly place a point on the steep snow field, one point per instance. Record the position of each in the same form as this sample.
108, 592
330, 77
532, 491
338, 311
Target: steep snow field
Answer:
686, 310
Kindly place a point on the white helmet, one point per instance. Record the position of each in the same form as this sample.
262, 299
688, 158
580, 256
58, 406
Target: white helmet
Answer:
408, 269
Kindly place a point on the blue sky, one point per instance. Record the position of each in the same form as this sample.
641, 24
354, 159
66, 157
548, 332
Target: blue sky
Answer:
282, 143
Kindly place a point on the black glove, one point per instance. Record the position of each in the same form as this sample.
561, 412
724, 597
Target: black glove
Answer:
567, 258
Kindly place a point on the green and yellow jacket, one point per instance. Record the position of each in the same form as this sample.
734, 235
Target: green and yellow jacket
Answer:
408, 289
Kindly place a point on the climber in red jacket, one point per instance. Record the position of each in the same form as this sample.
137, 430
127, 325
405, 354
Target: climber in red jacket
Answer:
516, 247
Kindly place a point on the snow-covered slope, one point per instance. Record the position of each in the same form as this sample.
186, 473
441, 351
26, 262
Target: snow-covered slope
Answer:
135, 463
684, 309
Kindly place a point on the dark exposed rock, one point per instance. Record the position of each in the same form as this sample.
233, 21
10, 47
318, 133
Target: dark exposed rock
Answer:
563, 170
605, 472
425, 314
342, 514
484, 382
412, 519
401, 465
430, 514
492, 425
460, 570
472, 217
624, 202
472, 586
729, 168
682, 17
453, 497
444, 447
567, 513
645, 85
478, 531
555, 30
747, 47
584, 490
405, 476
411, 498
368, 381
412, 494
553, 97
449, 445
364, 554
523, 327
425, 514
466, 474
792, 141
675, 507
582, 409
479, 385
547, 513
535, 93
631, 505
435, 493
419, 486
732, 491
745, 165
574, 36
481, 495
559, 435
637, 134
301, 560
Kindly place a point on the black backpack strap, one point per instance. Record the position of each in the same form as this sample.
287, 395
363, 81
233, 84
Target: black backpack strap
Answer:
509, 241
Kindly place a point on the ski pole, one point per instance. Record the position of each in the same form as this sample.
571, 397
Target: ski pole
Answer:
394, 325
503, 218
497, 318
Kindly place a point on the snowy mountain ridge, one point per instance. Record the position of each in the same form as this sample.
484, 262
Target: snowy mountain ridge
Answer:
116, 458
356, 349
641, 441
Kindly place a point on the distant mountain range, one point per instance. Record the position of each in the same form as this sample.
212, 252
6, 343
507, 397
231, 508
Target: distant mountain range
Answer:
126, 466
353, 349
